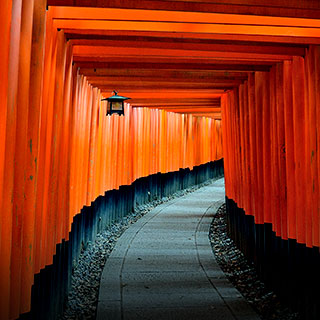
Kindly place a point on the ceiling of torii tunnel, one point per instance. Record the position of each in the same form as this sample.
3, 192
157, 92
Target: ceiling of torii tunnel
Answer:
182, 55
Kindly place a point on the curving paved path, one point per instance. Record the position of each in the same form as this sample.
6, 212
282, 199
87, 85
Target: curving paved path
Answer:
163, 267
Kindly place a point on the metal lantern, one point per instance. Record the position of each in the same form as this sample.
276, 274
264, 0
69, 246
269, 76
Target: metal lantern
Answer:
115, 104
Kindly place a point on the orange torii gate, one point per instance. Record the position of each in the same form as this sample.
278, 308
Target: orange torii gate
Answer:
249, 72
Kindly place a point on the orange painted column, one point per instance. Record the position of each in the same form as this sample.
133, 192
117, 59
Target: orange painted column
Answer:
233, 138
34, 123
298, 101
280, 216
289, 138
74, 123
120, 154
128, 150
316, 216
97, 147
247, 146
108, 150
8, 52
70, 99
65, 154
252, 140
86, 142
308, 105
224, 110
231, 152
40, 211
274, 151
22, 239
48, 103
314, 123
310, 127
259, 78
54, 216
238, 154
266, 148
242, 174
5, 17
104, 144
92, 144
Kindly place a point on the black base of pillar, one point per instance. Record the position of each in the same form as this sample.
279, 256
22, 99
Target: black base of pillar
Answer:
290, 269
52, 284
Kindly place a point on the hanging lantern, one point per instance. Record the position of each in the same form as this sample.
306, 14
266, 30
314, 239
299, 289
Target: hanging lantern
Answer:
115, 104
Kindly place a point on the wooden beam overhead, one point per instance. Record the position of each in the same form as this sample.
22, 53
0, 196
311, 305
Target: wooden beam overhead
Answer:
194, 108
174, 107
281, 8
160, 82
226, 67
159, 94
72, 33
147, 73
173, 104
145, 92
237, 29
176, 54
171, 43
191, 86
105, 52
207, 18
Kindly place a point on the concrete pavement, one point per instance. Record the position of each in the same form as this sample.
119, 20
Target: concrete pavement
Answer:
163, 267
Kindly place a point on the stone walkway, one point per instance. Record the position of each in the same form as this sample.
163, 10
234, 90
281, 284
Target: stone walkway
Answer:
163, 267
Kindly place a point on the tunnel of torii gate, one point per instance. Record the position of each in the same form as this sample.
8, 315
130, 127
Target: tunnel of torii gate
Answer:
237, 80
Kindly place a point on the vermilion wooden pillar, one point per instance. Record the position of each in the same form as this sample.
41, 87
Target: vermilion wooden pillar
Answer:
258, 110
5, 17
274, 151
252, 141
35, 111
22, 239
9, 156
316, 137
266, 148
247, 147
300, 146
289, 148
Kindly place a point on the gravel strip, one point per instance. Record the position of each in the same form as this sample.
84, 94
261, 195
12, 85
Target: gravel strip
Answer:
242, 274
83, 296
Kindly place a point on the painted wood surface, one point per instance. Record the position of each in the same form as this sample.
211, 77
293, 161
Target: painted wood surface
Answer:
281, 160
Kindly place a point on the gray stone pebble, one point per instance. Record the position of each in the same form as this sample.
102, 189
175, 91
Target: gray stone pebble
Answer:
83, 296
242, 274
